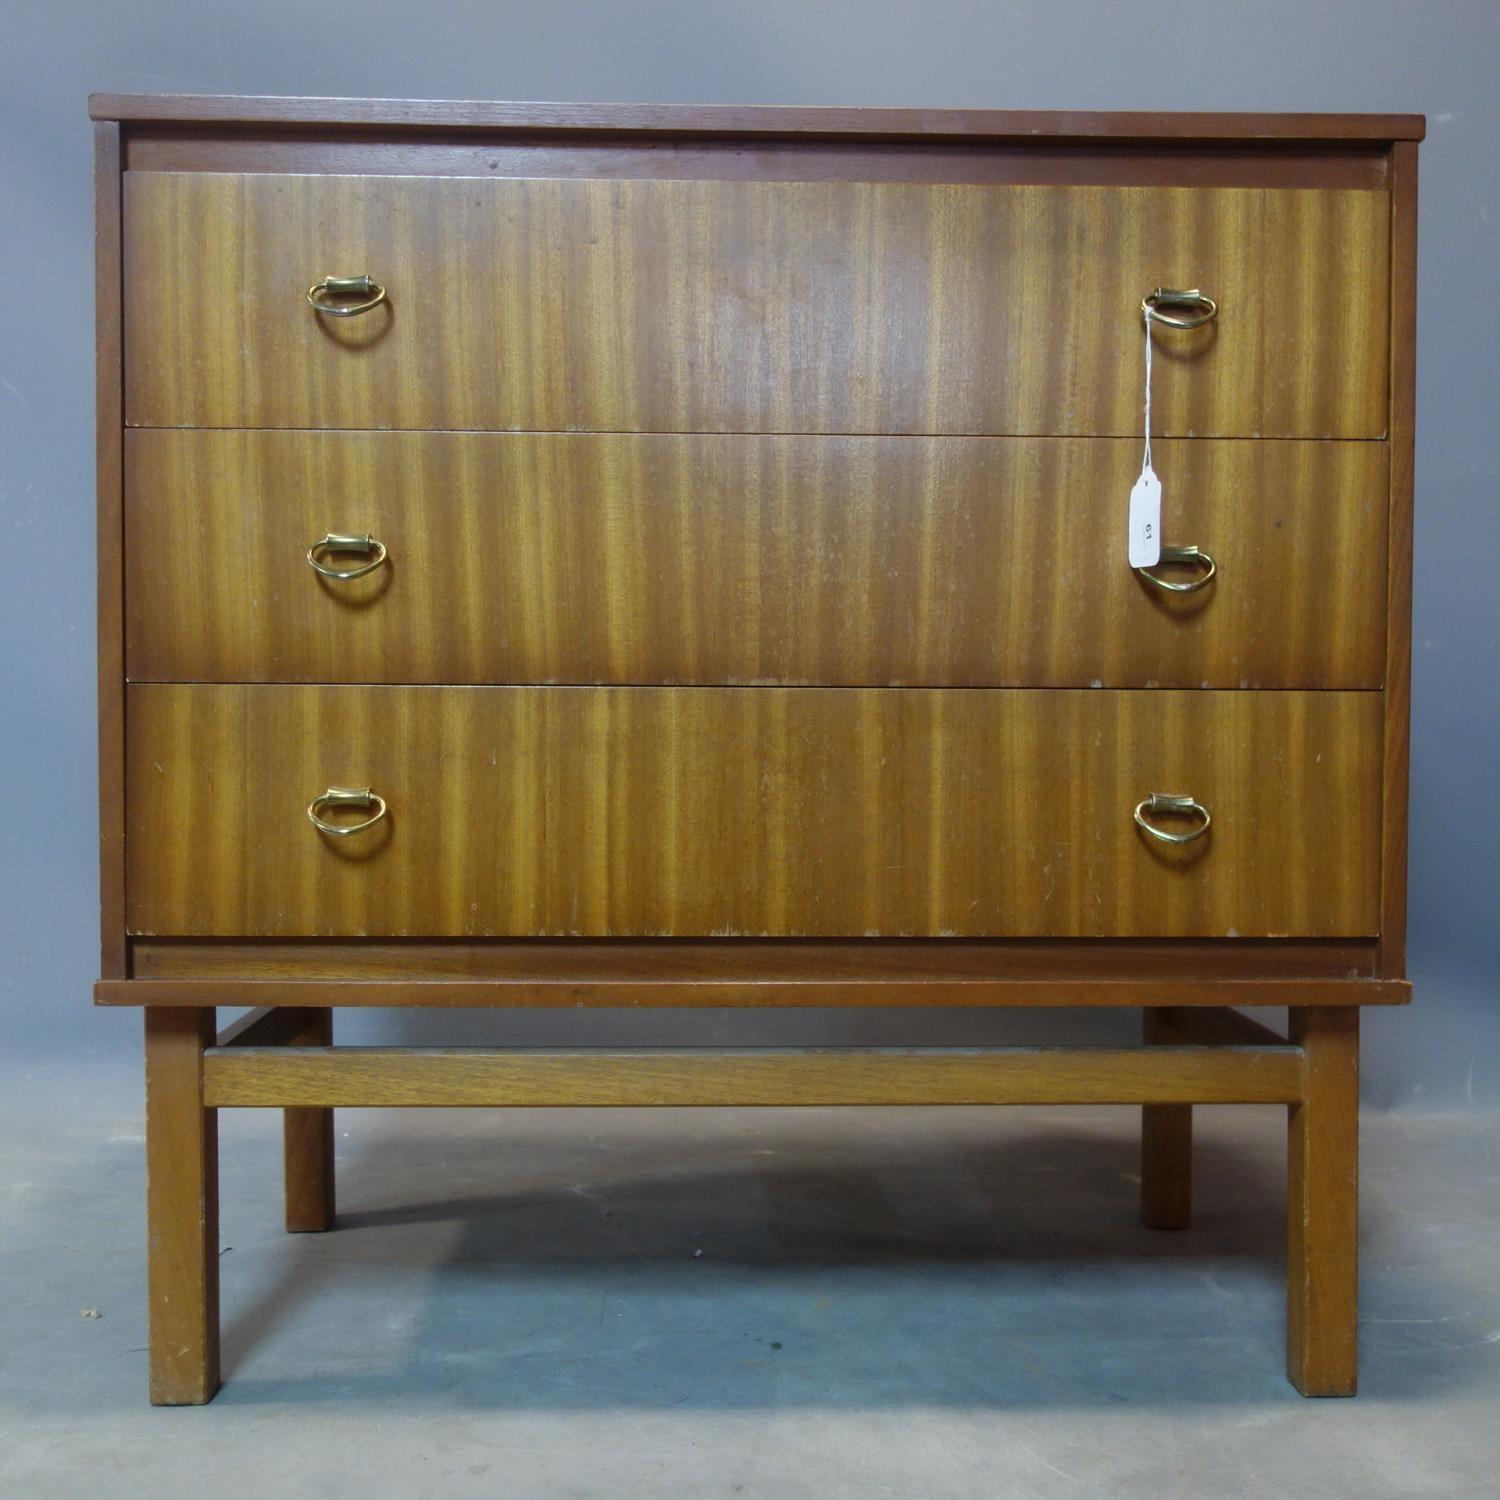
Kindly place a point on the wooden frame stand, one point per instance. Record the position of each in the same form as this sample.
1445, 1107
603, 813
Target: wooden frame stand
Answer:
283, 1057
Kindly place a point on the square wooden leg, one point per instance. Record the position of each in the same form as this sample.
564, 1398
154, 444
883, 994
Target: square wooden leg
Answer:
308, 1144
1323, 1205
1166, 1152
182, 1209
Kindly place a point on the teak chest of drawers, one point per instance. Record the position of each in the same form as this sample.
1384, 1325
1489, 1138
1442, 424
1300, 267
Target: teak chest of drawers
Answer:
652, 556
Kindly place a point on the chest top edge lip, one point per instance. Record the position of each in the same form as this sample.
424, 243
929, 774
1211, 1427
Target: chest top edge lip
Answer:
805, 122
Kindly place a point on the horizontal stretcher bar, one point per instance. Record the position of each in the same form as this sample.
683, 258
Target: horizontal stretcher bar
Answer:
345, 1077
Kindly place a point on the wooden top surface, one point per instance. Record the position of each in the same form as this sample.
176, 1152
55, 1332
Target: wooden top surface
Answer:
754, 120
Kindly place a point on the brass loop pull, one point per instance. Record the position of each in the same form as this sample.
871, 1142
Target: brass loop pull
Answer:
345, 286
1195, 308
1193, 555
1172, 802
345, 796
365, 545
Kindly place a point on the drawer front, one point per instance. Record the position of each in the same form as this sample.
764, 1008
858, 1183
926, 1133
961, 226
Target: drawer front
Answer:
751, 306
636, 812
625, 559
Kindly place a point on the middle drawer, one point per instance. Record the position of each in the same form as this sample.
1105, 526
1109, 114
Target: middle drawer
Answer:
667, 559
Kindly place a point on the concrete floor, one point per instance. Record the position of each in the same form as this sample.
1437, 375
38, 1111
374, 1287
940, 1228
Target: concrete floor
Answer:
916, 1303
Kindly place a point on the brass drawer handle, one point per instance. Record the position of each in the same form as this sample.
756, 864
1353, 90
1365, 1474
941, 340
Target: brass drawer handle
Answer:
1172, 802
1201, 308
345, 796
1193, 555
346, 286
333, 542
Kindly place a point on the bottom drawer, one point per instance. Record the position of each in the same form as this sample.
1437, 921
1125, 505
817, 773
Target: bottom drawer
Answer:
688, 812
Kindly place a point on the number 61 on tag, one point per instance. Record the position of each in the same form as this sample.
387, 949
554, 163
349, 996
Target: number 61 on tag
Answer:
1145, 520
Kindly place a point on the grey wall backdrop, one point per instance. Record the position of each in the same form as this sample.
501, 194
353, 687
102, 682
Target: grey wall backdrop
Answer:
1375, 55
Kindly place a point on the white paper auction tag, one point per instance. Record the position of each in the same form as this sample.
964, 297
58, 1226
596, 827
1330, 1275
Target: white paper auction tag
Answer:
1145, 520
1144, 547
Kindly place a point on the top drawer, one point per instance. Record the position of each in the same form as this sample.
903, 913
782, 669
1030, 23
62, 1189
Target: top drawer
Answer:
751, 306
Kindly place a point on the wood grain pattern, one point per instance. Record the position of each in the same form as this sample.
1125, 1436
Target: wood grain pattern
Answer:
1397, 740
525, 558
109, 405
761, 812
387, 115
755, 959
554, 304
182, 1210
389, 1076
1323, 1207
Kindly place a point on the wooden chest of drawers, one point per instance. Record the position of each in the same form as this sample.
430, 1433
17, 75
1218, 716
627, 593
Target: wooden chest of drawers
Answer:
554, 555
